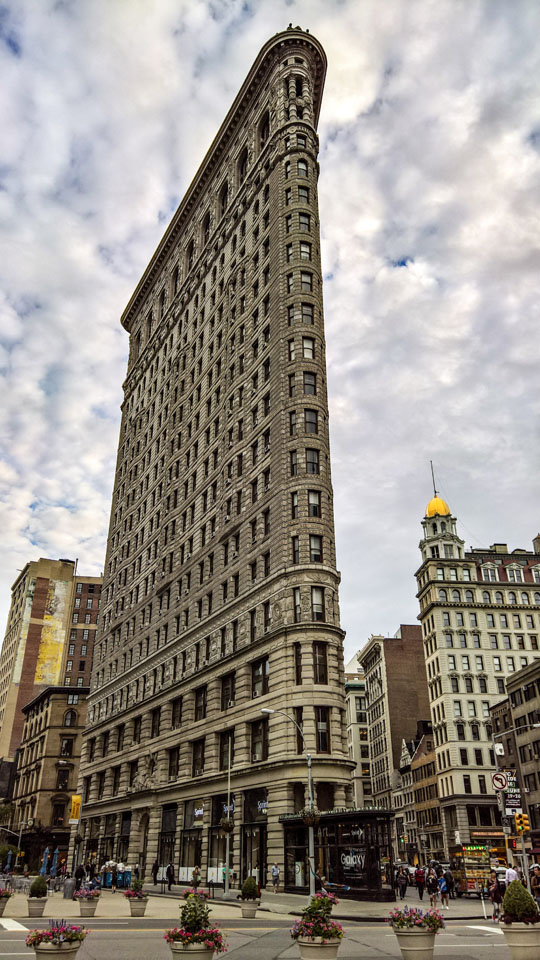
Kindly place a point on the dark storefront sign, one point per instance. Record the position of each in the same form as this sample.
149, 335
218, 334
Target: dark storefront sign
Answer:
352, 849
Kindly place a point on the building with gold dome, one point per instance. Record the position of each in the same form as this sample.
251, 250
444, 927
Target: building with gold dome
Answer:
480, 619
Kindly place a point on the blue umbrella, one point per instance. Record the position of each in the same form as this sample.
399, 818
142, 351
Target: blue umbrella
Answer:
8, 861
52, 871
43, 870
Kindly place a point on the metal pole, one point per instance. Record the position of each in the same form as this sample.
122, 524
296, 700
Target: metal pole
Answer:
19, 846
228, 835
311, 833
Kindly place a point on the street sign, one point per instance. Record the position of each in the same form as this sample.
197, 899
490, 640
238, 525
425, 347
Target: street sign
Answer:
499, 781
507, 824
512, 799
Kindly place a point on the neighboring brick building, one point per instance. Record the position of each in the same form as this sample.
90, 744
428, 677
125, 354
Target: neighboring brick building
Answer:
50, 615
480, 616
524, 701
48, 769
426, 801
357, 733
221, 589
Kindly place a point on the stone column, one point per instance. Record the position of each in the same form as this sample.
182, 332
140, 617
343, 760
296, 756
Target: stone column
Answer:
280, 800
154, 828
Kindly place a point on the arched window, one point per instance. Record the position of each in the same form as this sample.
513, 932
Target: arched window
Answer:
242, 165
455, 596
264, 129
498, 597
206, 228
537, 598
486, 597
223, 199
469, 596
190, 255
524, 597
443, 527
443, 595
512, 597
70, 718
434, 527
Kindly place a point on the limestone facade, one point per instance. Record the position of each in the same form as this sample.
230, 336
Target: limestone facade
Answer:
221, 589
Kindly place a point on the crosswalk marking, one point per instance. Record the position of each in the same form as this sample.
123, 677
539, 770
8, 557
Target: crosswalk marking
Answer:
8, 924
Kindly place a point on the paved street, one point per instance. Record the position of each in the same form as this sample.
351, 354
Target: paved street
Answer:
115, 935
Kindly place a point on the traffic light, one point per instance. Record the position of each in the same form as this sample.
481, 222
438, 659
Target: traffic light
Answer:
512, 843
522, 822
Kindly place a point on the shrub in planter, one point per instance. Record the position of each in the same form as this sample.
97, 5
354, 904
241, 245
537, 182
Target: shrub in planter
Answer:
249, 889
415, 931
195, 930
518, 906
137, 898
38, 887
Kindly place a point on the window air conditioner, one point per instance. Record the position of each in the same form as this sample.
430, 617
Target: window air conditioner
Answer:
256, 693
230, 703
199, 771
234, 554
255, 758
227, 518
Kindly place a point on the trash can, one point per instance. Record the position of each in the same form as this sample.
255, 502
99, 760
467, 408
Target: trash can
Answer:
69, 888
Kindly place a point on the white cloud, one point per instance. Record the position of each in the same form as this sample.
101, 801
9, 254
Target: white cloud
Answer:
430, 158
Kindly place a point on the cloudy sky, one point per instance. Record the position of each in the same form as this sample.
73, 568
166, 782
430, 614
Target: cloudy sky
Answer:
429, 199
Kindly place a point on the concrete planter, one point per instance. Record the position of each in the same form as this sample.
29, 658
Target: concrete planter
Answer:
3, 901
52, 951
415, 944
36, 906
249, 908
522, 940
88, 907
315, 949
137, 905
199, 950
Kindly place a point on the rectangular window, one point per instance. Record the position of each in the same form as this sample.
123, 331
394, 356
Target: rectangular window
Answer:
315, 548
295, 549
296, 604
322, 720
308, 348
198, 757
259, 677
228, 691
259, 740
293, 460
292, 423
310, 383
200, 702
312, 461
298, 663
311, 422
307, 313
176, 714
317, 603
306, 281
314, 503
303, 195
304, 222
320, 665
174, 762
294, 505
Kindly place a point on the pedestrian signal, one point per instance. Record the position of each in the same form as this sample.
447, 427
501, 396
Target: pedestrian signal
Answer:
522, 822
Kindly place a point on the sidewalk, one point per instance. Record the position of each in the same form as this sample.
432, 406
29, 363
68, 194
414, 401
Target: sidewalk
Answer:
112, 906
293, 903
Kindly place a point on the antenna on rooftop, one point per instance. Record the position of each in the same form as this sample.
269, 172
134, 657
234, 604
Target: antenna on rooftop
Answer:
433, 478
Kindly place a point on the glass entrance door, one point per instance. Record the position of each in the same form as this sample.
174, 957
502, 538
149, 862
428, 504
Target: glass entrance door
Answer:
254, 853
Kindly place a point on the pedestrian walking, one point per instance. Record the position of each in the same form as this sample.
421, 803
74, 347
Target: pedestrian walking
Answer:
155, 869
443, 890
79, 876
275, 877
510, 875
535, 884
420, 880
450, 885
170, 875
114, 877
196, 877
495, 894
401, 881
432, 887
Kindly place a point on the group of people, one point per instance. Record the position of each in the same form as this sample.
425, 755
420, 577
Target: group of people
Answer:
90, 876
496, 887
434, 880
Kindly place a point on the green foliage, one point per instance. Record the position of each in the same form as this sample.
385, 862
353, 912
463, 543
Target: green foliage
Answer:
136, 885
4, 850
38, 887
518, 905
195, 915
249, 889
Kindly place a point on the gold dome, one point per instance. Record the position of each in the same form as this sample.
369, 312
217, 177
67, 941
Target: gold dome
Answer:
437, 507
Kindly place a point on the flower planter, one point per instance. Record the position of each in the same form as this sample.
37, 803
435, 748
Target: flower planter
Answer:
523, 940
415, 944
56, 951
249, 909
317, 949
3, 901
88, 907
36, 906
201, 951
137, 905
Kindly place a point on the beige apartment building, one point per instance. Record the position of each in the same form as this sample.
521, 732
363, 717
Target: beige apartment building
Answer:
220, 611
357, 733
49, 640
480, 617
47, 772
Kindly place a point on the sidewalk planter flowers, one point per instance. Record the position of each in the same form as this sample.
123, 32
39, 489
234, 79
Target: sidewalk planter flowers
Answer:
5, 894
88, 901
316, 934
249, 898
136, 898
37, 897
521, 923
415, 931
195, 935
61, 940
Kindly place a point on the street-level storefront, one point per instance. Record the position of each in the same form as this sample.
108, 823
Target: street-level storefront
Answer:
254, 835
352, 849
217, 856
191, 839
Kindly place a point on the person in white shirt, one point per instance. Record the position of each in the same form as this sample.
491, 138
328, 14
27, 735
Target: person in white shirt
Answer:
510, 875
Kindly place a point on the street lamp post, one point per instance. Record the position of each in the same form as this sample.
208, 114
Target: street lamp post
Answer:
496, 736
311, 832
